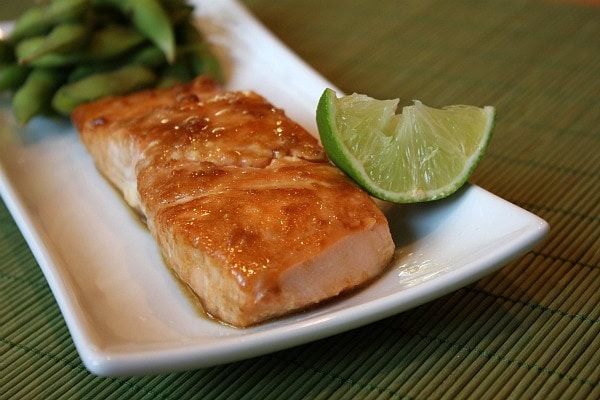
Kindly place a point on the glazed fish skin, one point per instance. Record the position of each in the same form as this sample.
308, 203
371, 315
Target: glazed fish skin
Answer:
243, 202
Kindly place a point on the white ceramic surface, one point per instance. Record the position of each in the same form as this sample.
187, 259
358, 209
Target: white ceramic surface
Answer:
128, 315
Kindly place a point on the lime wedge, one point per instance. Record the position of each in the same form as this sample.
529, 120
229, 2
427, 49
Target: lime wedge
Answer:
420, 155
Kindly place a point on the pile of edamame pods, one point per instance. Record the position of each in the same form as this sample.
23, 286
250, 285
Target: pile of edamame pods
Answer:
62, 53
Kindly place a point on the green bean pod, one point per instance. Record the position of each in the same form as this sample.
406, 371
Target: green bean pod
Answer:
34, 96
118, 82
12, 76
63, 38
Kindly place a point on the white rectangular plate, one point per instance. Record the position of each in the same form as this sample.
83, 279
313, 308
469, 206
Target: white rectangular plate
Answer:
128, 315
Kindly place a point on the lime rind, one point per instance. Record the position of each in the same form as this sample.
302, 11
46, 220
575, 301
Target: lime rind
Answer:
422, 154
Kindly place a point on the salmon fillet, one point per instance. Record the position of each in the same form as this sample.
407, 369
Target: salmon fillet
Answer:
243, 202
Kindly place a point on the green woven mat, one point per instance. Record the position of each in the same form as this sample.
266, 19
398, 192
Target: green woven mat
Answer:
530, 330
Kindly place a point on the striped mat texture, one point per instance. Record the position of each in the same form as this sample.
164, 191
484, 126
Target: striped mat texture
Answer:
529, 331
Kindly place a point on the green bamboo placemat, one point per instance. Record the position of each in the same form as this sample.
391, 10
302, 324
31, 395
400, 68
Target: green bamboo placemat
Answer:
531, 330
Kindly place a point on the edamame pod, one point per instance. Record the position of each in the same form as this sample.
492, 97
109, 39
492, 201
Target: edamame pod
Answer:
175, 73
63, 38
7, 52
112, 41
54, 60
118, 82
85, 70
66, 52
12, 76
40, 20
178, 11
200, 55
34, 96
205, 62
104, 45
67, 10
149, 56
150, 18
28, 46
33, 22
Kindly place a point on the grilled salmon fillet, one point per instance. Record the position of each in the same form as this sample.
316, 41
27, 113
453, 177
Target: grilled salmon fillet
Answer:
243, 202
